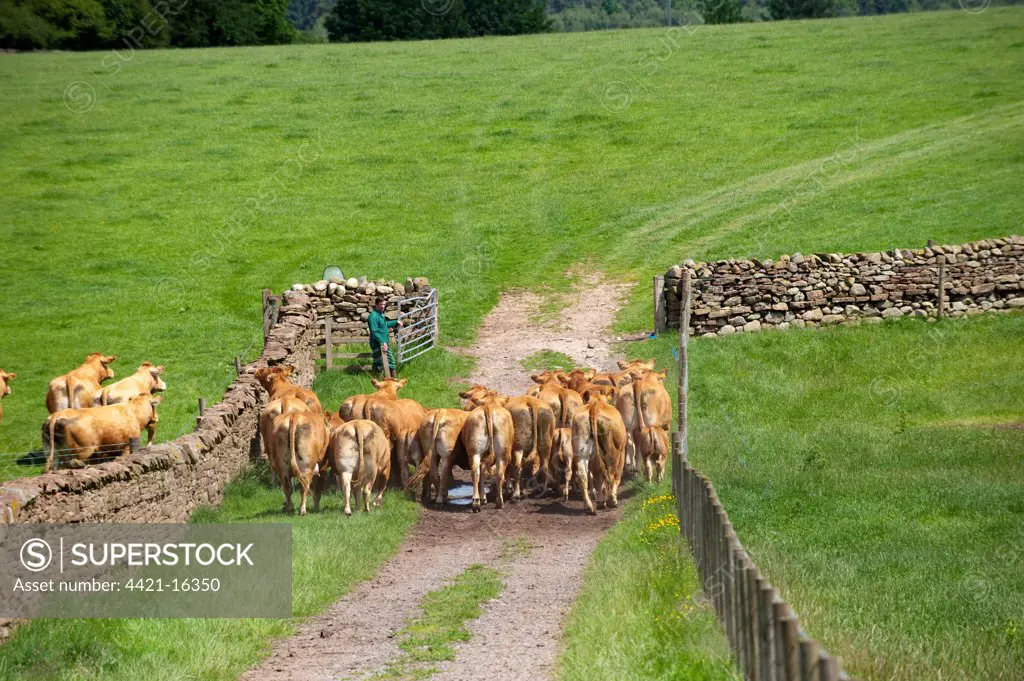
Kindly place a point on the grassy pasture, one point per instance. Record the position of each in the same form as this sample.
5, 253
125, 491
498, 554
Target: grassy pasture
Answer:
876, 474
331, 553
146, 225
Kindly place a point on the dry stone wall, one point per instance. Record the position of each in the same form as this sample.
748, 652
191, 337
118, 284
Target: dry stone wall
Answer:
348, 302
736, 296
167, 481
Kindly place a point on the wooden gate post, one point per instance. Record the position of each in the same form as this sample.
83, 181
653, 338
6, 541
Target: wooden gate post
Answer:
659, 303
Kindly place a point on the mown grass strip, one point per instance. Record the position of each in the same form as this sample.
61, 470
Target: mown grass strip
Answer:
640, 614
432, 636
547, 360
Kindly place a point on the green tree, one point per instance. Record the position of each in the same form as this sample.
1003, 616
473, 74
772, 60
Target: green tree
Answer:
721, 11
802, 9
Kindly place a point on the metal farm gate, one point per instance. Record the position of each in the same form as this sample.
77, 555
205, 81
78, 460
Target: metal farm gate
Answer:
420, 330
418, 314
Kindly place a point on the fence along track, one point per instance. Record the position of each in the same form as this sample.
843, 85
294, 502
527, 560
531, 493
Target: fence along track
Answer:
763, 630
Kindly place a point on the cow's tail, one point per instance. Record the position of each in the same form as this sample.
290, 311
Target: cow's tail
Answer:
597, 460
637, 405
424, 468
563, 421
361, 471
534, 412
293, 426
51, 424
489, 414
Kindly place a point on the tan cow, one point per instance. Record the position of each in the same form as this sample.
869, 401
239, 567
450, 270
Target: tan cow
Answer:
653, 409
5, 390
563, 401
440, 441
299, 449
275, 381
652, 450
579, 379
559, 465
77, 388
400, 420
354, 407
145, 381
487, 437
360, 455
271, 411
82, 433
558, 376
598, 446
534, 425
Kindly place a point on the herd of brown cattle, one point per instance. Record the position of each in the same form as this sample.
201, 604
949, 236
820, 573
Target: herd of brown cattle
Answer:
88, 418
593, 425
583, 423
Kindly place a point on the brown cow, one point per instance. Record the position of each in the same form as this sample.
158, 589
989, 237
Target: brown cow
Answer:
443, 449
77, 388
300, 446
598, 445
354, 407
145, 380
81, 433
360, 455
275, 381
559, 465
653, 403
400, 420
533, 423
5, 390
271, 411
579, 379
652, 450
563, 401
558, 376
487, 437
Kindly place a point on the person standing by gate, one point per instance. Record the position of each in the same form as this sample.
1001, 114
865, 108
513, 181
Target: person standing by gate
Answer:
379, 325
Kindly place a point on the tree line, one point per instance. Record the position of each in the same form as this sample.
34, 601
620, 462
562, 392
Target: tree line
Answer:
102, 24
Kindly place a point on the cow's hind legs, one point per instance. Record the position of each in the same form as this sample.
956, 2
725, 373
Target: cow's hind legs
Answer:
477, 496
286, 487
305, 493
346, 486
583, 475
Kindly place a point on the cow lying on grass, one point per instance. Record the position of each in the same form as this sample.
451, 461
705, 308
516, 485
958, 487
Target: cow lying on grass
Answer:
77, 388
80, 434
5, 390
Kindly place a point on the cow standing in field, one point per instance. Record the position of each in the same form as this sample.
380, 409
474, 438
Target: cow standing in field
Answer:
534, 426
81, 433
598, 446
653, 408
441, 443
77, 388
300, 445
652, 450
487, 437
271, 411
354, 407
275, 381
559, 465
145, 381
564, 402
360, 454
400, 420
5, 390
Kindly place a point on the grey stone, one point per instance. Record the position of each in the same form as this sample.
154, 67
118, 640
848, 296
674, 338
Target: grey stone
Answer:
892, 313
858, 290
727, 330
752, 326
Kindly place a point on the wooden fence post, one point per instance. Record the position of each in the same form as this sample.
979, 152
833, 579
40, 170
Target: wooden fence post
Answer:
766, 596
266, 298
238, 365
202, 408
659, 303
328, 346
828, 667
133, 444
942, 287
809, 660
754, 582
684, 368
785, 642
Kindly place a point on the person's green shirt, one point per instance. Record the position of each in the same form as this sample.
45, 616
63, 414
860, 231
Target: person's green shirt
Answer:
379, 325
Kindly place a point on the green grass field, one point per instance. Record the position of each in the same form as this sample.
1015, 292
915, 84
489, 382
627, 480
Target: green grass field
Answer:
146, 225
875, 474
